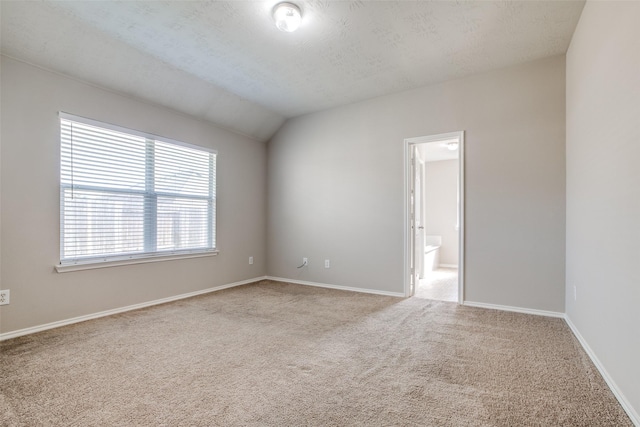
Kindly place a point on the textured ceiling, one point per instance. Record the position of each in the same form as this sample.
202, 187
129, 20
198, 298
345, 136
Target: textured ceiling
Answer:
225, 61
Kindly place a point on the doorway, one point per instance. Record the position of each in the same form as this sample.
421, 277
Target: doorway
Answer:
434, 234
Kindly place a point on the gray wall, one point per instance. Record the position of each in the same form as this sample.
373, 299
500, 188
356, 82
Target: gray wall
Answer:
441, 206
603, 188
31, 99
336, 186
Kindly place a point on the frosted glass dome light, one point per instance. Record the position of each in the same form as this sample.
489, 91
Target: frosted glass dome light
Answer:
287, 16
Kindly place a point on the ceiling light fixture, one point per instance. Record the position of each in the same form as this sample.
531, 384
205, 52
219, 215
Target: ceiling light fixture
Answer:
287, 16
452, 146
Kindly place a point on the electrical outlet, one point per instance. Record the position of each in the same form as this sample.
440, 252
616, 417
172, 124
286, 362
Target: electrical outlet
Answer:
250, 260
4, 297
327, 263
305, 261
575, 293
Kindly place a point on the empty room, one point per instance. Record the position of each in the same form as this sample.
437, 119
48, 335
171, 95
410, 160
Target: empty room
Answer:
319, 213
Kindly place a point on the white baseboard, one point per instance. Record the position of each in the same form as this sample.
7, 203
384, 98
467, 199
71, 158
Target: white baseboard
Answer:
631, 412
52, 325
515, 309
448, 265
342, 288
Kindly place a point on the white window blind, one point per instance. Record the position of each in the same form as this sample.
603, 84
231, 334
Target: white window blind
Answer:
125, 194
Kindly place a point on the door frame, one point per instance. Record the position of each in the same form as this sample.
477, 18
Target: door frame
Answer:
408, 232
419, 169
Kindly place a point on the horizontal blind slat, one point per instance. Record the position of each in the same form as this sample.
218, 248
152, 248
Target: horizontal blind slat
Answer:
126, 195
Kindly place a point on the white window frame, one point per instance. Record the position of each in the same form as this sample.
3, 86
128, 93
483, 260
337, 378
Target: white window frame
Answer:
149, 254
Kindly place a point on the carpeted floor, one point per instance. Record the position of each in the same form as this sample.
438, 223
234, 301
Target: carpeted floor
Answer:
273, 354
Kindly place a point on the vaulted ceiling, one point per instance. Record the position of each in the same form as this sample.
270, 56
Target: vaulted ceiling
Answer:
226, 62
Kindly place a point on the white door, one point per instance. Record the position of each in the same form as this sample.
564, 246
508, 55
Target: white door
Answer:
419, 215
417, 220
412, 222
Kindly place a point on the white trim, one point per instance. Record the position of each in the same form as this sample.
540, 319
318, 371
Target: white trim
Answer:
408, 250
60, 268
631, 412
342, 288
52, 325
448, 265
461, 226
515, 309
408, 142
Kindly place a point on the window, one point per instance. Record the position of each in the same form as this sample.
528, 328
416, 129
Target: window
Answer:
125, 194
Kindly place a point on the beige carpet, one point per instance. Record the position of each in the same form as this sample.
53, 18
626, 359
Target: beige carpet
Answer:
287, 355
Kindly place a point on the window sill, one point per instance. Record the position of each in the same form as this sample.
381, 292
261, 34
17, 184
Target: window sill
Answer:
104, 264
